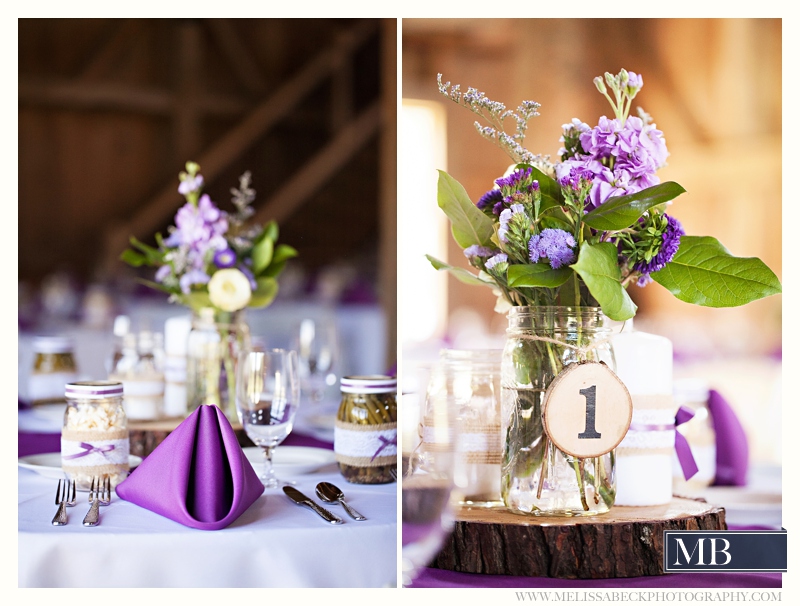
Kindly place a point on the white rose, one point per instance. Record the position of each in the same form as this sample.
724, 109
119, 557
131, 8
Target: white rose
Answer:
229, 289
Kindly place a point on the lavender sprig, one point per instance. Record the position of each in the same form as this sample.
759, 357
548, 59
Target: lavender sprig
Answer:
496, 113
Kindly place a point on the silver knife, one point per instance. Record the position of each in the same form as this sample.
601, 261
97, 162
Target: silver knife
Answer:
301, 499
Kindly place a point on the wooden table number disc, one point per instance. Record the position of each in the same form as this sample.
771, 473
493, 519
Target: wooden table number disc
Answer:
587, 410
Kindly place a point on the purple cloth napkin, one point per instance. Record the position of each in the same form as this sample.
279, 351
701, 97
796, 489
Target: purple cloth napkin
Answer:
732, 451
198, 476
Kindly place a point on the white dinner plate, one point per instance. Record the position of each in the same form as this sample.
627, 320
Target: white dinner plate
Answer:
48, 464
292, 460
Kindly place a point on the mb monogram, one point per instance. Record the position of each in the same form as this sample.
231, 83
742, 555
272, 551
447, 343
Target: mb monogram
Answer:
714, 551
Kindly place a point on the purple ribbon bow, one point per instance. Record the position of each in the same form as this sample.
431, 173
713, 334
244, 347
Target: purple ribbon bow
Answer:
682, 448
90, 448
384, 444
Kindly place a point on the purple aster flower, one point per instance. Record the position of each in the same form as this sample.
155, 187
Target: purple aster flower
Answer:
224, 258
490, 198
670, 241
477, 250
555, 245
498, 258
514, 179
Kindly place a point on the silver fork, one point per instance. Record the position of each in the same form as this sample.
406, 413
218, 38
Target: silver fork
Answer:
100, 494
63, 500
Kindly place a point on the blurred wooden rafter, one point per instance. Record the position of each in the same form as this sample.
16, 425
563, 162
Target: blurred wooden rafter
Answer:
349, 138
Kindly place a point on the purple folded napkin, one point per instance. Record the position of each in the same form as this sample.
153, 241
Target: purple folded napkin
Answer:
732, 451
198, 476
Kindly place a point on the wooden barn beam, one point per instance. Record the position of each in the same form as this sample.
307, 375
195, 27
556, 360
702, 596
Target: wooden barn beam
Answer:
322, 167
120, 97
239, 58
238, 139
101, 61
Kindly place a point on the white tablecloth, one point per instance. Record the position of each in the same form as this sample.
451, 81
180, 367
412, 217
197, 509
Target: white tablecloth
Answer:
275, 543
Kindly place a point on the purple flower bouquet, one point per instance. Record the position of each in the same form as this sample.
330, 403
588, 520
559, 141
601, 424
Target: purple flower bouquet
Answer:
560, 243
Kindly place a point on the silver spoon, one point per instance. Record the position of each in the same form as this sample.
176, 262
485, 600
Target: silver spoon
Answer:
332, 494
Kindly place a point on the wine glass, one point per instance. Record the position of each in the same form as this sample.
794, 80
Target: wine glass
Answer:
428, 490
317, 349
267, 397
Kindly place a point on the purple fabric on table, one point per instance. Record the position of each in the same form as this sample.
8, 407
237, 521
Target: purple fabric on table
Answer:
432, 577
732, 450
299, 439
29, 443
198, 476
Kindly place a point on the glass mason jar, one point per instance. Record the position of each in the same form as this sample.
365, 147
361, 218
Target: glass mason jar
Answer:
365, 433
53, 367
537, 477
94, 437
472, 377
212, 350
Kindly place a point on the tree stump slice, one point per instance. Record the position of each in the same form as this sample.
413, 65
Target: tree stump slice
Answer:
625, 542
145, 436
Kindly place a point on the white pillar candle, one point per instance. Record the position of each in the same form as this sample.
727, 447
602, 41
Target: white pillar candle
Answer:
644, 457
176, 335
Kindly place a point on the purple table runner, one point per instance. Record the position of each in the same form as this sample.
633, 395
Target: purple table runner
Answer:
431, 577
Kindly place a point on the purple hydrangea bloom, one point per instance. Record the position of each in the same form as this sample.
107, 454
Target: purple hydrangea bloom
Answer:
498, 258
670, 242
555, 245
224, 258
476, 250
490, 198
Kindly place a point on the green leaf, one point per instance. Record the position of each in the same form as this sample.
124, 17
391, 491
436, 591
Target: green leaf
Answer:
265, 292
623, 211
283, 252
537, 274
152, 256
271, 231
549, 188
262, 255
597, 265
703, 272
133, 258
197, 299
461, 274
273, 270
468, 224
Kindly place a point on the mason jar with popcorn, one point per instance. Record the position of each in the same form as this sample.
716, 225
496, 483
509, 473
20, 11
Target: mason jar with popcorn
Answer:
94, 439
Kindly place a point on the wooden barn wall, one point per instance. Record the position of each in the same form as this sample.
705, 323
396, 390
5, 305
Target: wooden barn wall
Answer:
111, 109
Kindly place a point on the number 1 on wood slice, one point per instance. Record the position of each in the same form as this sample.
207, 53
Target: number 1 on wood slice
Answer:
589, 432
587, 410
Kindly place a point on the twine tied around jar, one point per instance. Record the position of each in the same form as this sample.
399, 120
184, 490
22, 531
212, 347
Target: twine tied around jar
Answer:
582, 351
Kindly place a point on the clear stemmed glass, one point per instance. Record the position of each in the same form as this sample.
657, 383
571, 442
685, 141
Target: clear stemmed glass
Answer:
267, 397
317, 349
428, 489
